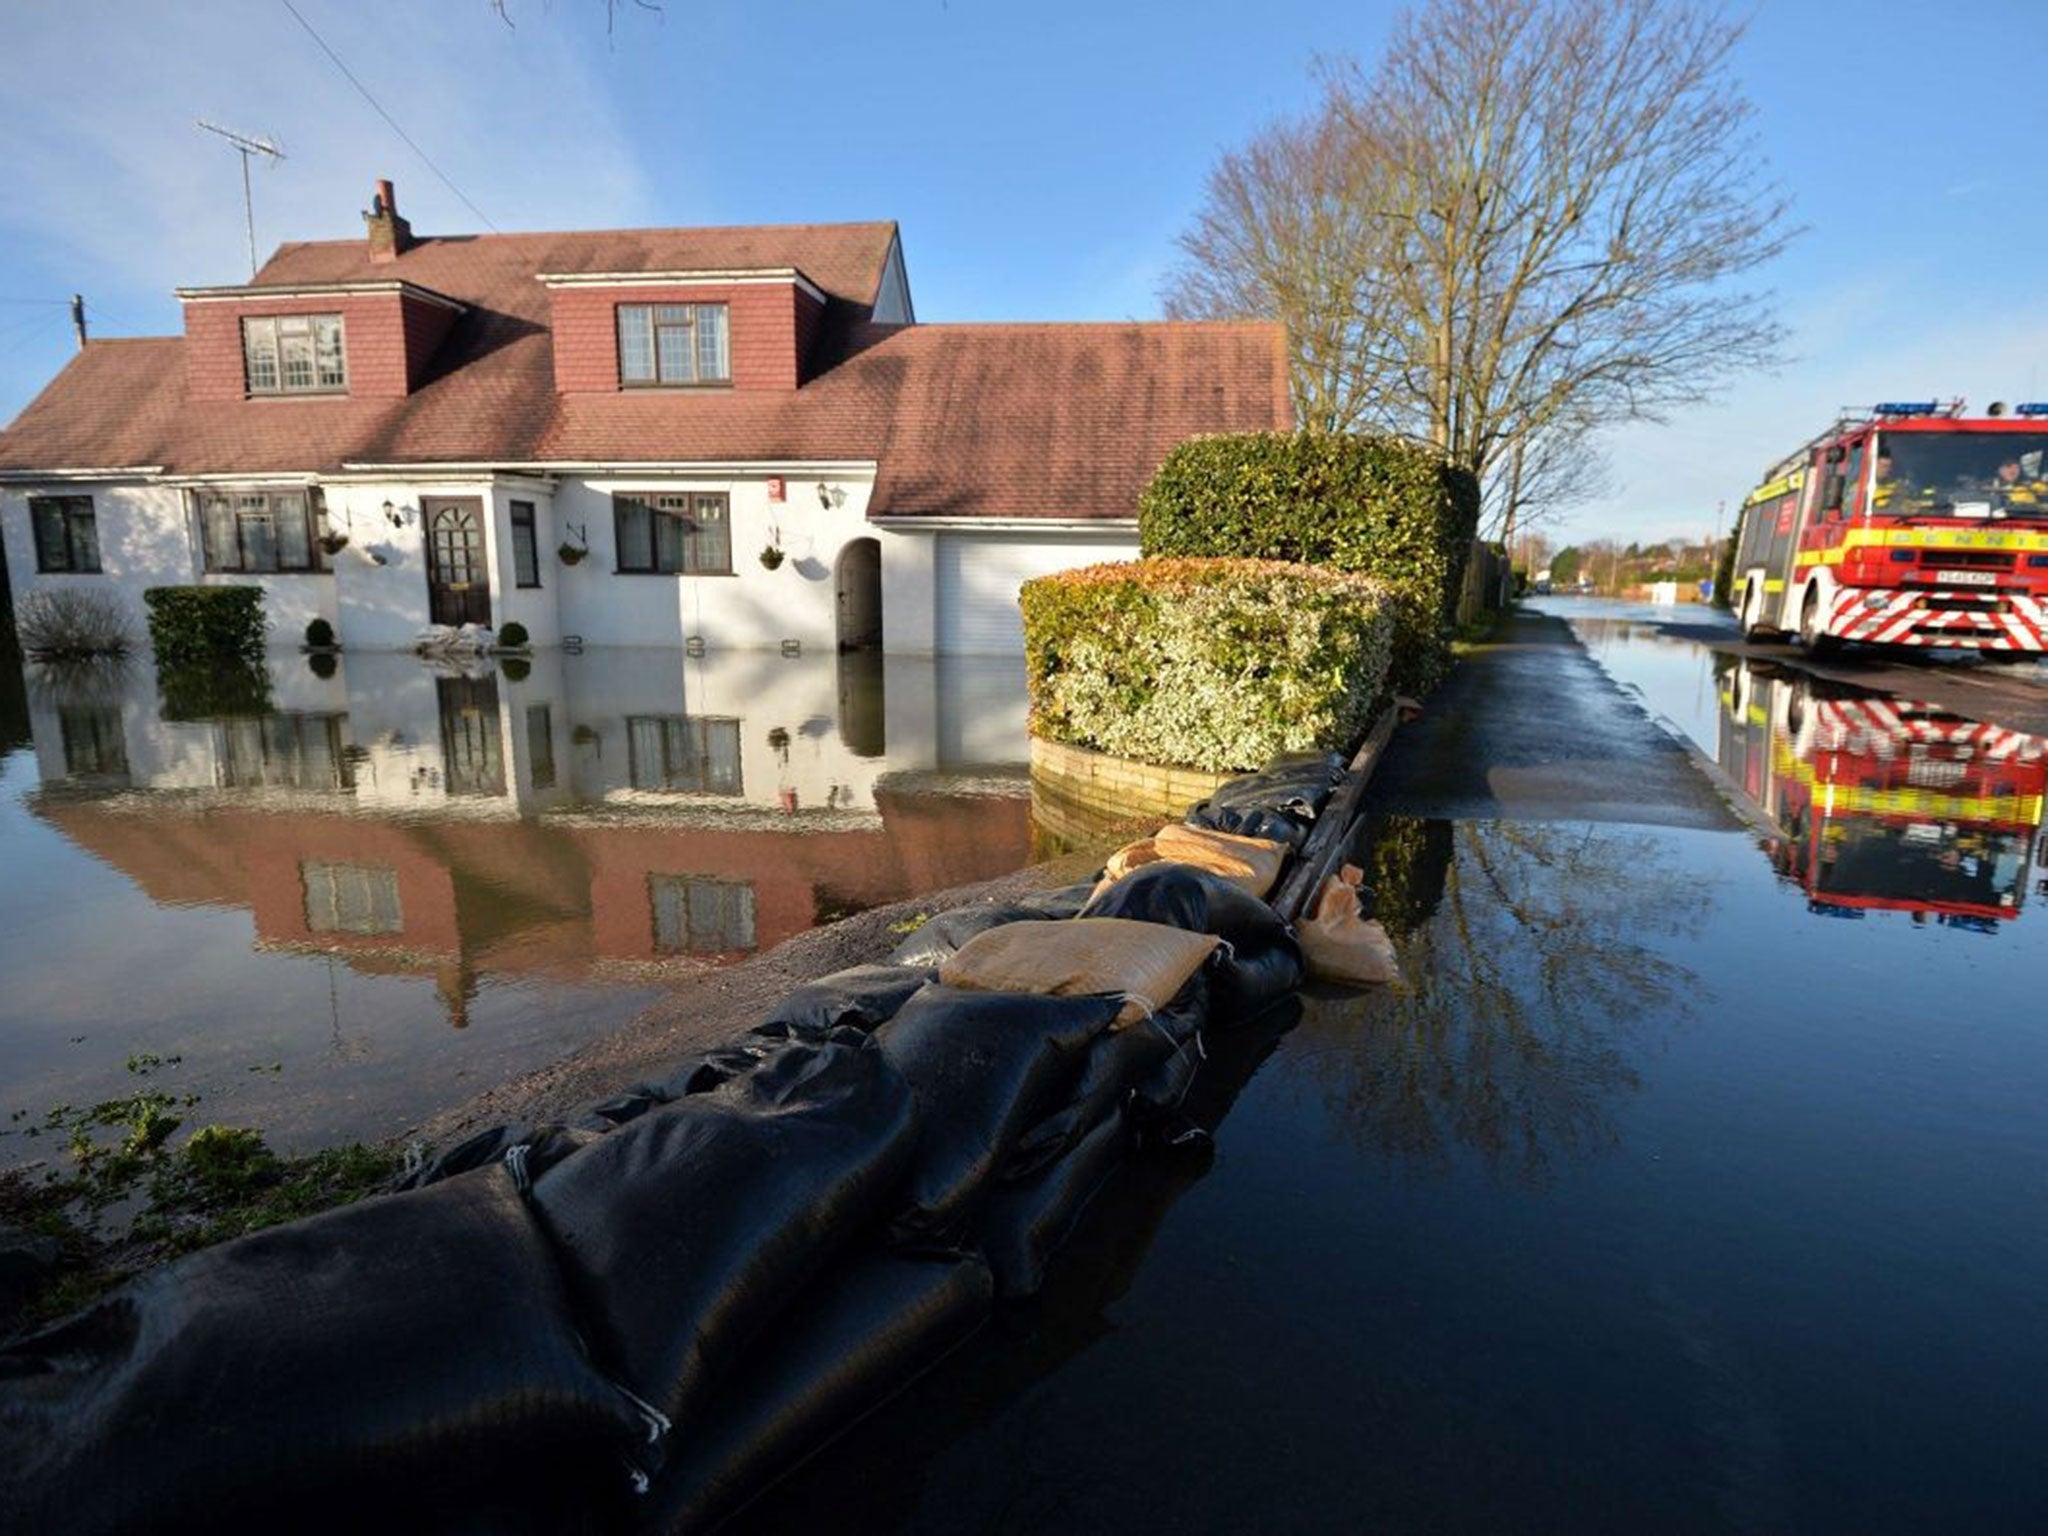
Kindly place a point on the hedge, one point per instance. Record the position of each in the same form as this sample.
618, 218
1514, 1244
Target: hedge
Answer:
1213, 664
1374, 505
199, 624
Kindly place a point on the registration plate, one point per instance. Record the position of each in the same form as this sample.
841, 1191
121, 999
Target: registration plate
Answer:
1967, 578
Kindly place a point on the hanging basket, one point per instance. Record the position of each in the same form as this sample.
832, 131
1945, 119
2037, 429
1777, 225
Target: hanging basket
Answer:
572, 554
772, 557
334, 543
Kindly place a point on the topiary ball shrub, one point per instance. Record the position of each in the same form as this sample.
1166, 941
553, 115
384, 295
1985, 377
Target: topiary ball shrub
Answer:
1212, 664
512, 637
1375, 505
320, 635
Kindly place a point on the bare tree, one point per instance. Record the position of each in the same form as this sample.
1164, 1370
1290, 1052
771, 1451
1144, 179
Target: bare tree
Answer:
1528, 222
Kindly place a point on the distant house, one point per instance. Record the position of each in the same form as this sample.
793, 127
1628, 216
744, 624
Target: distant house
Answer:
599, 434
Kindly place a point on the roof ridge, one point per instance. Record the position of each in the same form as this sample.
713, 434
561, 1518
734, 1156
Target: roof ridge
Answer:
468, 238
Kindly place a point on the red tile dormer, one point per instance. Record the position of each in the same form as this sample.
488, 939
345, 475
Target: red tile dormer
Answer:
660, 330
358, 341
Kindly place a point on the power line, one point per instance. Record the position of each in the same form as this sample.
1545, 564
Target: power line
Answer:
60, 303
363, 91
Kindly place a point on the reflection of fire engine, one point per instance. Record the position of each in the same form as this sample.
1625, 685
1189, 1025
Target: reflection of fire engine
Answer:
1911, 525
1884, 803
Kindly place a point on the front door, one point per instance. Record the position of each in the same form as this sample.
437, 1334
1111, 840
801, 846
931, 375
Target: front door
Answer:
458, 581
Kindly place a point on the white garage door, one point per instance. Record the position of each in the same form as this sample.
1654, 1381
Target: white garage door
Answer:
978, 578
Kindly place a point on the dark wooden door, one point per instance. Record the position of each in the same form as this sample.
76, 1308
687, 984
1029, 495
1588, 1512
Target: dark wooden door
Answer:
458, 580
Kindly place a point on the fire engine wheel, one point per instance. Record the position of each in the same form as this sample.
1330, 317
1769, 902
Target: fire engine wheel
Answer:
1753, 629
1815, 641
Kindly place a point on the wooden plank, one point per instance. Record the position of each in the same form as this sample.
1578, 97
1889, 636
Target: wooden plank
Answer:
1332, 831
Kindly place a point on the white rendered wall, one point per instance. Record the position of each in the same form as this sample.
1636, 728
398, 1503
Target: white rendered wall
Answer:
754, 606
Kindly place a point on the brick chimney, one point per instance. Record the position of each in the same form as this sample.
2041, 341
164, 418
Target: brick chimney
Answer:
390, 236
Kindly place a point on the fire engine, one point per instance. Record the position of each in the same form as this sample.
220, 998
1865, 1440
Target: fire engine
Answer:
1885, 804
1908, 524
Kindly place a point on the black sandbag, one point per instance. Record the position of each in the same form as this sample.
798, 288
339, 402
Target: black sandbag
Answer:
707, 1071
624, 1108
686, 1233
1263, 960
861, 997
937, 940
1144, 1067
1025, 1224
545, 1146
1299, 783
985, 1066
1273, 826
1067, 901
858, 1337
331, 1373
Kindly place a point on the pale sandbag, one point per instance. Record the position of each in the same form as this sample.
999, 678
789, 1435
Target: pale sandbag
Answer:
1341, 944
1131, 856
1250, 863
1147, 963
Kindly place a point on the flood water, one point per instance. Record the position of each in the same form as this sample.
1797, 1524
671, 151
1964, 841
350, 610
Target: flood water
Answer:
1695, 1185
390, 884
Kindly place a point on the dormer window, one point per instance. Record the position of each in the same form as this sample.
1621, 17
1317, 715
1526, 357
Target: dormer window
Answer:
294, 355
673, 344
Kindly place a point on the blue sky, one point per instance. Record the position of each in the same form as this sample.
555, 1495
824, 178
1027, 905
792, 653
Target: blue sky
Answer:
1041, 159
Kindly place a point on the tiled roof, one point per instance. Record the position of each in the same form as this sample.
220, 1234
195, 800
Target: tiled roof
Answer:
965, 420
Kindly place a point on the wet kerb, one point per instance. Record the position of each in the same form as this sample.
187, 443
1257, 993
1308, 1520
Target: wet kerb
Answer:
1529, 727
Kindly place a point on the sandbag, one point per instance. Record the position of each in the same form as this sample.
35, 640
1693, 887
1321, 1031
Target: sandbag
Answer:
1341, 944
340, 1372
1250, 863
545, 1145
1263, 960
856, 1338
936, 940
984, 1067
1065, 902
1025, 1224
1129, 857
623, 1108
1252, 821
1144, 963
860, 997
1143, 1070
686, 1233
1299, 783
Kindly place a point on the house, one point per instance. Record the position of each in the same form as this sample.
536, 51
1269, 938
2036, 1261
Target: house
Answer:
739, 436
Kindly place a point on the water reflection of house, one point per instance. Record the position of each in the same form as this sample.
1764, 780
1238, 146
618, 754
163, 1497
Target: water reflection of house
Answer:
627, 813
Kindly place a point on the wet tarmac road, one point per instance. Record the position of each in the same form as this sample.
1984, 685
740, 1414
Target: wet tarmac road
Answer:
1692, 1184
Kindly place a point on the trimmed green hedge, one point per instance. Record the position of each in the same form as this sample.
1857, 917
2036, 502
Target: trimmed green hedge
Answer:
1374, 505
1214, 664
197, 624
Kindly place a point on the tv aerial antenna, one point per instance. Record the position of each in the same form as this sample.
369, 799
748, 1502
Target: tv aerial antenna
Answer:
247, 146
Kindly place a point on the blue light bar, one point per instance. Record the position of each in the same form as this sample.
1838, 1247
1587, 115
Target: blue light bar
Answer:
2031, 408
1908, 408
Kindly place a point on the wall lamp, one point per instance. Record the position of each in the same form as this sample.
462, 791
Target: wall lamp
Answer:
397, 517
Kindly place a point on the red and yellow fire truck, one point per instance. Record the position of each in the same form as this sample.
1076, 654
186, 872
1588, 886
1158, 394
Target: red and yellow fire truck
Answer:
1885, 804
1909, 524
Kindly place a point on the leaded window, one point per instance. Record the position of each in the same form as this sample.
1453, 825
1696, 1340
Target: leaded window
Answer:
67, 534
294, 355
525, 547
260, 532
679, 535
673, 344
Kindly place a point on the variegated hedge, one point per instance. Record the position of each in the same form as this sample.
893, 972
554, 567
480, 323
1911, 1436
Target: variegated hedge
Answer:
1214, 664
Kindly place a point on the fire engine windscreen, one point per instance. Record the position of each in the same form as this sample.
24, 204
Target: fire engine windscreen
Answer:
1962, 474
